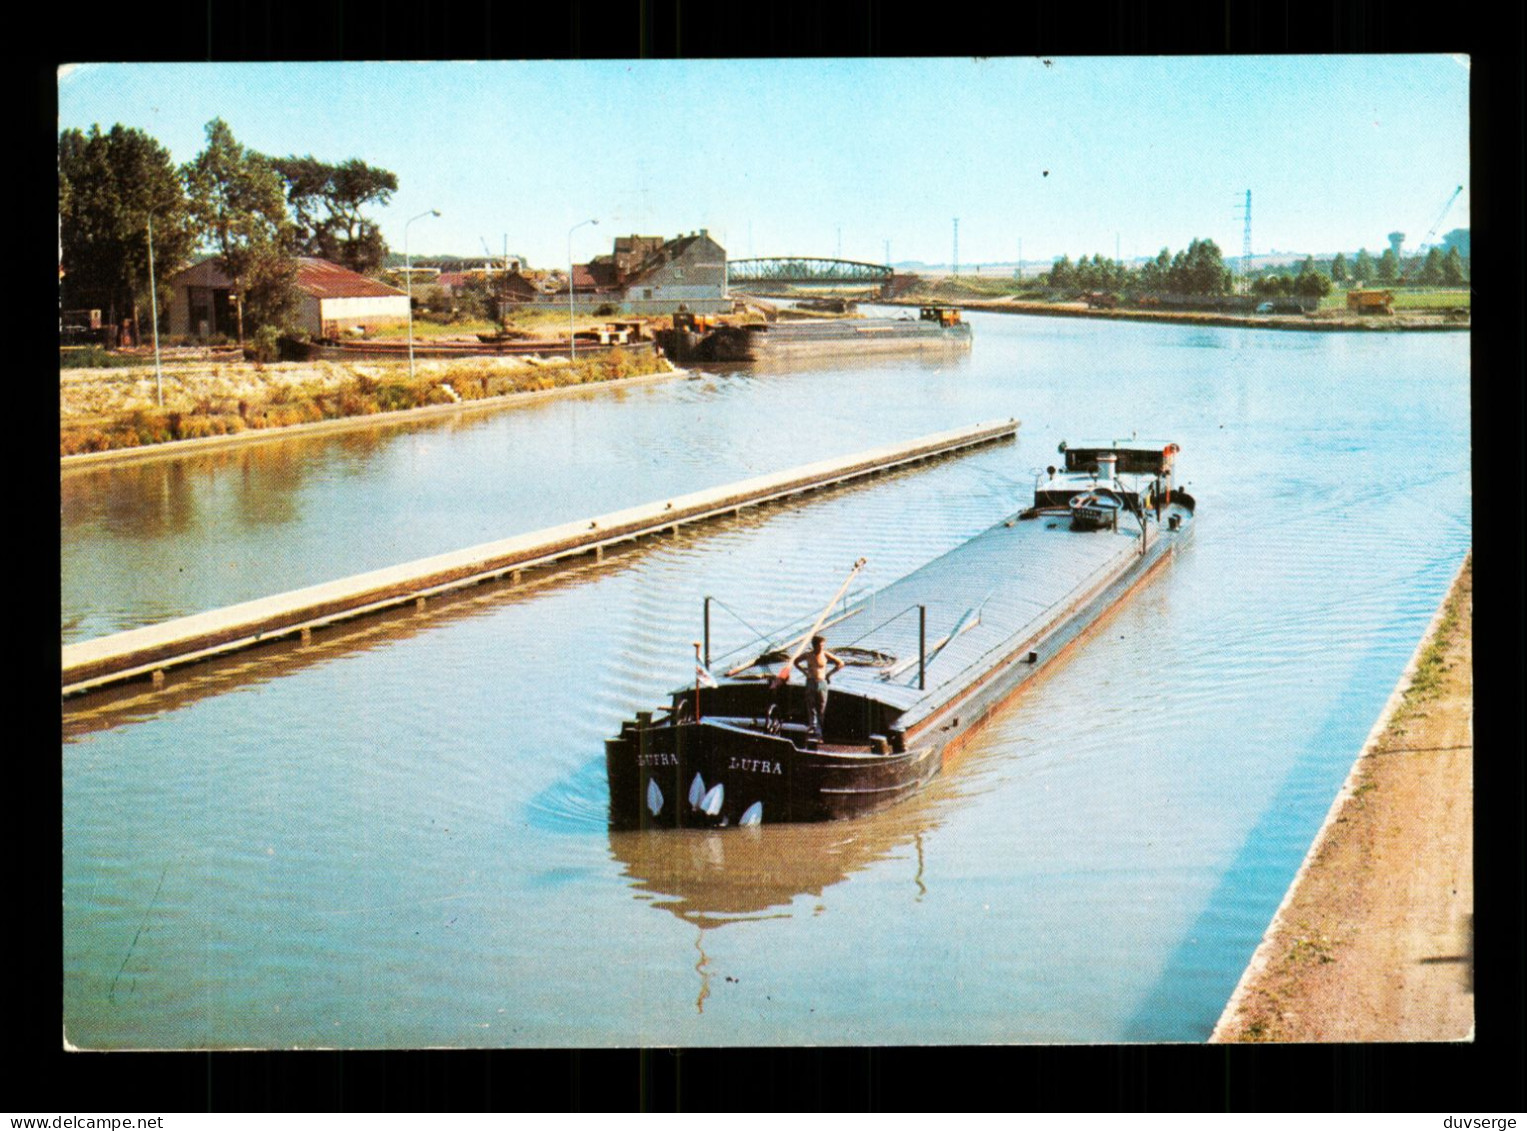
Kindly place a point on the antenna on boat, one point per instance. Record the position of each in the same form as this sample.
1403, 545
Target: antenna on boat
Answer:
800, 645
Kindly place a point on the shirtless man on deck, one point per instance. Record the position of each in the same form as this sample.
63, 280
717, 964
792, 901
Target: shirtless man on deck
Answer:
818, 665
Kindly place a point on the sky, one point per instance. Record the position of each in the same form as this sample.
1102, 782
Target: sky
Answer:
867, 159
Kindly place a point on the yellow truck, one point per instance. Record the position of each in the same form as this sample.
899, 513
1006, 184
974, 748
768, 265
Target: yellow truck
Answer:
1370, 302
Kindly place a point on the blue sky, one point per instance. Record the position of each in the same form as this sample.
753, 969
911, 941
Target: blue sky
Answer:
810, 157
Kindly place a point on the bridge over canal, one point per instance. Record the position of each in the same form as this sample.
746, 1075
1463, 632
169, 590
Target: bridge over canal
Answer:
763, 276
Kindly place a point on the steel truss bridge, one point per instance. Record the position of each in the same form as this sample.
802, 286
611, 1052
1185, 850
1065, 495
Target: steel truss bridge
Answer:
745, 274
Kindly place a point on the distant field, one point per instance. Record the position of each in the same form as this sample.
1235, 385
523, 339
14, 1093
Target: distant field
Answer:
1426, 299
1409, 298
982, 286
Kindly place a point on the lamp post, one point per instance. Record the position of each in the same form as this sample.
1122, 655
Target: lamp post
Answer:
408, 281
572, 341
153, 294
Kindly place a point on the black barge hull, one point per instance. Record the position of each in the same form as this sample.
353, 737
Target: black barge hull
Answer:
653, 771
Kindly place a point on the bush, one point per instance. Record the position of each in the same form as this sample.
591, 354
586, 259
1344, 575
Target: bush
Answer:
150, 427
266, 344
395, 395
356, 402
195, 426
94, 357
75, 441
618, 364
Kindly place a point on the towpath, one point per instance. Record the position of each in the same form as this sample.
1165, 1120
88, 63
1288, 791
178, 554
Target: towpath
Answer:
1374, 941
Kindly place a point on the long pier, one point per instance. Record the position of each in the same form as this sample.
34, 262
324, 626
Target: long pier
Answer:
149, 651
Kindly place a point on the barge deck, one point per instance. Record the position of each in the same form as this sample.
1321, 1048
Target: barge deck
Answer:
927, 660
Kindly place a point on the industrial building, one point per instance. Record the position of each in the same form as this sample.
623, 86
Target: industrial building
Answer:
649, 275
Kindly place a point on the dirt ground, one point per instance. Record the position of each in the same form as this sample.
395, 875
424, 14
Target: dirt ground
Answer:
1375, 940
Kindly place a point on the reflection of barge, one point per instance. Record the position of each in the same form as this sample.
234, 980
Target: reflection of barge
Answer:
936, 328
929, 658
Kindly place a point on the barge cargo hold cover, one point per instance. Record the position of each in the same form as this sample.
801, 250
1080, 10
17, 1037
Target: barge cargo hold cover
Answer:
928, 659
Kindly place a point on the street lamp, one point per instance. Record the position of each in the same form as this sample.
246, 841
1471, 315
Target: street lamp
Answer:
408, 280
572, 341
153, 293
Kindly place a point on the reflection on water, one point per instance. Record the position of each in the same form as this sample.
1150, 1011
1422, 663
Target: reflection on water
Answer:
710, 878
396, 837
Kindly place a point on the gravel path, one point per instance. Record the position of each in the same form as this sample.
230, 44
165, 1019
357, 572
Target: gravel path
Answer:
1374, 941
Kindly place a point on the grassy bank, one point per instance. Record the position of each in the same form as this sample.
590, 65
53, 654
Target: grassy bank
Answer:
105, 409
976, 290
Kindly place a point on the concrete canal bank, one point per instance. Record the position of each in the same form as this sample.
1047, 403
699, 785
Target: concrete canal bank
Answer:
149, 651
1374, 940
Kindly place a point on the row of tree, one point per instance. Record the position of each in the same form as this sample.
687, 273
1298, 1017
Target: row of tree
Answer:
1436, 269
1198, 270
119, 190
1201, 270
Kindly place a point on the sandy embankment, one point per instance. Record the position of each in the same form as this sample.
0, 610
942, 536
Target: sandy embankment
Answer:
1374, 941
238, 401
93, 395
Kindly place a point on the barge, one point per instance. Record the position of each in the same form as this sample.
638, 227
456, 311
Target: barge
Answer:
926, 660
937, 328
629, 337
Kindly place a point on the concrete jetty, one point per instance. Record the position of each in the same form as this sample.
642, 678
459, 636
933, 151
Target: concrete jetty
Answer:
147, 652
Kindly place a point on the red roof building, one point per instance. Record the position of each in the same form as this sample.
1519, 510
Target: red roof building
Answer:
333, 300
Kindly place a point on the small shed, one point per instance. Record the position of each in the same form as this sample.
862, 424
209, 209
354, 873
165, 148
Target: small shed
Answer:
335, 298
332, 299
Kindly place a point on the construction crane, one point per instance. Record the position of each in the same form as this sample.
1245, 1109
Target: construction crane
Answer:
1446, 208
1427, 239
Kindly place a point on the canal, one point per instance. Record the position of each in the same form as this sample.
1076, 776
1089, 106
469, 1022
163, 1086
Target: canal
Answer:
395, 837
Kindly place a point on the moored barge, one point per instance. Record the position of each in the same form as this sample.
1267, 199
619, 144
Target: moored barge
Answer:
937, 328
627, 336
927, 659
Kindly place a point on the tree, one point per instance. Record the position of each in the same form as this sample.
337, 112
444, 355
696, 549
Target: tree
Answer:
239, 200
1200, 270
1311, 283
1362, 267
1062, 274
1339, 269
1452, 267
1389, 266
109, 186
1431, 270
326, 202
1154, 275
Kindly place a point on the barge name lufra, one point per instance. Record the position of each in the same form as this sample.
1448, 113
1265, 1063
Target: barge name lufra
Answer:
926, 660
